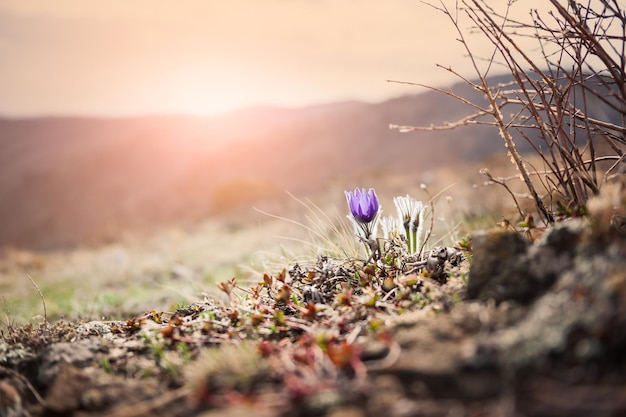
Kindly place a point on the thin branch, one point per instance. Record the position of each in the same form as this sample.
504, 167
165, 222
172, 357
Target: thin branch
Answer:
487, 174
471, 119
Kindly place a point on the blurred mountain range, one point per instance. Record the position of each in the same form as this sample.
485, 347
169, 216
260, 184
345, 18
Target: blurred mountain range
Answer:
69, 180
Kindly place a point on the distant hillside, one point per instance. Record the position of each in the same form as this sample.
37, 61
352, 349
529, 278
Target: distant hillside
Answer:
69, 180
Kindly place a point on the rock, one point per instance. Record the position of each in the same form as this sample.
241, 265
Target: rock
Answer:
10, 399
552, 324
505, 266
80, 353
495, 267
65, 392
582, 315
433, 351
90, 389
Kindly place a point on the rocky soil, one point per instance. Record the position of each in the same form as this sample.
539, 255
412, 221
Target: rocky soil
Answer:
529, 323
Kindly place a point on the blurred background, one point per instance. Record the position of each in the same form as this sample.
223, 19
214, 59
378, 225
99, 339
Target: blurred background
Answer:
136, 138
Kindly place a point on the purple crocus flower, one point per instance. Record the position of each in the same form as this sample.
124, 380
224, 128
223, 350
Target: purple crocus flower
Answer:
363, 205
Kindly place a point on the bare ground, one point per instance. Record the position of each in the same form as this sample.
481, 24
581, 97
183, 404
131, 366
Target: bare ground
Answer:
511, 327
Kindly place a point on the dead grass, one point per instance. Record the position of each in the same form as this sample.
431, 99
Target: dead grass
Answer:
134, 275
180, 265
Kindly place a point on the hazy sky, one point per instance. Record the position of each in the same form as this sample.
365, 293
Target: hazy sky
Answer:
128, 57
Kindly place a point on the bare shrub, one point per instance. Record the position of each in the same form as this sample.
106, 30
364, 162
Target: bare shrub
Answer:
569, 104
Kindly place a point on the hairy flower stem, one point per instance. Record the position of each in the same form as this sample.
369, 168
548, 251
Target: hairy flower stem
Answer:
413, 240
407, 231
372, 248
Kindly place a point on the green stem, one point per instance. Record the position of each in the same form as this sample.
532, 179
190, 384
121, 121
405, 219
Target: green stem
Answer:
407, 231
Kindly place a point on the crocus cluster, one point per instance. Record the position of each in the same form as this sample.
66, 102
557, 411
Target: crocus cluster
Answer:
365, 213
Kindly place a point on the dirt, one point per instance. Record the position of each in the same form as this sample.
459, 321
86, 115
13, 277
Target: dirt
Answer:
529, 323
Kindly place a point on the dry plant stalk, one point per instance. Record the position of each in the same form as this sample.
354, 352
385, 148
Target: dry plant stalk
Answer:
565, 104
43, 299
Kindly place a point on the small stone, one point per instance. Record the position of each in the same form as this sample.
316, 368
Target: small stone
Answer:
9, 397
65, 392
79, 354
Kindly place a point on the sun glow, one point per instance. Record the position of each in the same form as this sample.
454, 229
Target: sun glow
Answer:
218, 87
206, 102
205, 89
